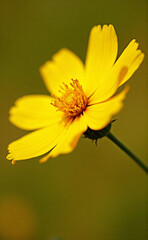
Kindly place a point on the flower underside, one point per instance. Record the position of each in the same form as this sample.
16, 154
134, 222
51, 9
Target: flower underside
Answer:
72, 101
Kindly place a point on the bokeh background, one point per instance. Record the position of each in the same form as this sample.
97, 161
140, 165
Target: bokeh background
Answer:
94, 193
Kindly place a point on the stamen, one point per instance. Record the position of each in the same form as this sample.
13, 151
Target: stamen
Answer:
72, 101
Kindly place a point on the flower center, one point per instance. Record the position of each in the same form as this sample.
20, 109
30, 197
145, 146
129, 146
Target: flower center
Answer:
72, 100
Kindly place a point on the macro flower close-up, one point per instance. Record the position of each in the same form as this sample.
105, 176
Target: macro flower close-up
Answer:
83, 96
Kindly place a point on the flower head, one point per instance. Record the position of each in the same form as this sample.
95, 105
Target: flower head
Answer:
73, 100
82, 96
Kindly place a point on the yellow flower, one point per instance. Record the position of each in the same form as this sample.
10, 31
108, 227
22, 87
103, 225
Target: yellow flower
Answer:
82, 96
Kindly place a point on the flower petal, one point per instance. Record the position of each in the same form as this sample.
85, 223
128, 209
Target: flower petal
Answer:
109, 86
101, 55
100, 115
65, 65
131, 58
69, 140
36, 143
33, 112
122, 70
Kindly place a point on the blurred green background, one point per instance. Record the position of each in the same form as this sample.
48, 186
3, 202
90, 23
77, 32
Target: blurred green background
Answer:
94, 193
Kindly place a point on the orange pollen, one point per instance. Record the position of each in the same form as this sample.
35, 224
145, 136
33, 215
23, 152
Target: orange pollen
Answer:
72, 101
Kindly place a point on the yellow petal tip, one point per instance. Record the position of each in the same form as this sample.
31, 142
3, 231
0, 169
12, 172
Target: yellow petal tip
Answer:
44, 159
11, 158
13, 162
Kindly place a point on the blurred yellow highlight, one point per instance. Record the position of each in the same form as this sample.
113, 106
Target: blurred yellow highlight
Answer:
17, 220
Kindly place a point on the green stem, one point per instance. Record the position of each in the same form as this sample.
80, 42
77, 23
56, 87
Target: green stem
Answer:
128, 152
